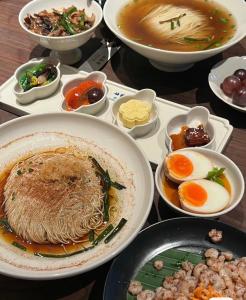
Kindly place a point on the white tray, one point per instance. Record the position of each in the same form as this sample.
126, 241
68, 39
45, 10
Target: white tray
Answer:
153, 144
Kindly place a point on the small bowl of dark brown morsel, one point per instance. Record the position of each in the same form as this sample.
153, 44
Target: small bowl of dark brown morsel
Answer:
192, 129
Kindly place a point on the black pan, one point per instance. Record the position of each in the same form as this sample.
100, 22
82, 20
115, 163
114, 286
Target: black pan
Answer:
188, 233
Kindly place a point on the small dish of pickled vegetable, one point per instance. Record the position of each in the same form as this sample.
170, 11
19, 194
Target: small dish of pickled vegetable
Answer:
36, 79
86, 95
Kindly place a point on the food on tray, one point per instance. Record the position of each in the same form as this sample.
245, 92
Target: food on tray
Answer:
190, 137
192, 182
177, 25
215, 274
62, 22
186, 165
234, 86
134, 112
39, 75
59, 203
215, 235
86, 93
199, 196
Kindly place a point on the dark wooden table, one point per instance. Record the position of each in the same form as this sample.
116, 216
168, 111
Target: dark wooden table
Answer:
127, 67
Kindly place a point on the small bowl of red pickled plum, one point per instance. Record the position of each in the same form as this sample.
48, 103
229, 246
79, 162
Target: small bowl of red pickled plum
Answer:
85, 95
227, 80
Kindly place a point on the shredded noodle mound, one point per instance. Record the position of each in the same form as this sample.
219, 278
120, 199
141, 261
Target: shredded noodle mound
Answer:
53, 198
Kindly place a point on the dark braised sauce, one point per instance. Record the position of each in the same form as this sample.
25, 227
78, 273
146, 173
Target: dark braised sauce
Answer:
178, 140
171, 189
31, 247
190, 137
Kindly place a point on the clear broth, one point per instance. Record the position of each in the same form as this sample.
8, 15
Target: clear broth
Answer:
219, 18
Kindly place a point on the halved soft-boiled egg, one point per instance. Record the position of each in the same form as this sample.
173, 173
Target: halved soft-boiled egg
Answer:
187, 165
203, 196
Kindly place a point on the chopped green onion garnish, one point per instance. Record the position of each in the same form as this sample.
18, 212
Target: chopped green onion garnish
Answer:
103, 234
172, 25
223, 20
116, 229
21, 247
191, 39
91, 236
215, 175
5, 224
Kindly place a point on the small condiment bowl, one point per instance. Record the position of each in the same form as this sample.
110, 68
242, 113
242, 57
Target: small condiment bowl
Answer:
147, 95
91, 109
222, 70
40, 92
196, 116
232, 173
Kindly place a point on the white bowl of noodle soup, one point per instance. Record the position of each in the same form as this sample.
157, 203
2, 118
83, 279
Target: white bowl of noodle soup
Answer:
116, 151
173, 61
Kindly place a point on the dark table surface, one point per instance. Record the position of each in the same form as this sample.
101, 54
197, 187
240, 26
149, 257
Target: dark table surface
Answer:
129, 68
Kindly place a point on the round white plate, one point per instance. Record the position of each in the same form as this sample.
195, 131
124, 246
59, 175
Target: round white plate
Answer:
220, 71
34, 132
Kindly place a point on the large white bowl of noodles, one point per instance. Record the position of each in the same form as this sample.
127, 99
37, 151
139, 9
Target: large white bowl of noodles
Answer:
174, 60
116, 152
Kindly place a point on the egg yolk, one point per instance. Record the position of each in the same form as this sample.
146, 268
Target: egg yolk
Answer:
194, 194
180, 165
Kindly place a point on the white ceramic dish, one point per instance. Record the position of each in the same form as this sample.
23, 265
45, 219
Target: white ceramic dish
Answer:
65, 48
40, 92
220, 71
91, 109
147, 95
232, 173
153, 144
173, 60
193, 118
36, 130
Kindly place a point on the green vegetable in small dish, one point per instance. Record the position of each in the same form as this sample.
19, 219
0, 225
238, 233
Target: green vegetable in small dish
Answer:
39, 75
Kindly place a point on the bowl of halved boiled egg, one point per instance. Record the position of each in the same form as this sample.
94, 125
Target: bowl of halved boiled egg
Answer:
199, 182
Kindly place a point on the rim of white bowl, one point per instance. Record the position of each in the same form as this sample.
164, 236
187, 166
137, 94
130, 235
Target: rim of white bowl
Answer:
69, 272
228, 44
212, 215
95, 25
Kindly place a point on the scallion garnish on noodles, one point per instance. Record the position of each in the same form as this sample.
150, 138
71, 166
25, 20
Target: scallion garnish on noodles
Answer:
174, 20
192, 39
17, 245
103, 234
107, 183
115, 231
